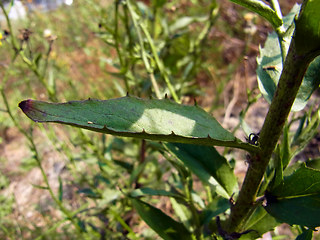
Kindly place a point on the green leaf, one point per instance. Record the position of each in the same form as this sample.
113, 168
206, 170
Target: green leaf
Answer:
183, 212
303, 182
306, 235
260, 222
307, 36
278, 170
159, 3
262, 9
285, 147
123, 164
214, 208
140, 192
313, 163
159, 120
39, 186
307, 129
210, 167
60, 195
270, 67
88, 192
185, 21
108, 196
82, 225
165, 226
297, 199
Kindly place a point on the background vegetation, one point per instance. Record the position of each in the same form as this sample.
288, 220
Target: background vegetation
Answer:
58, 182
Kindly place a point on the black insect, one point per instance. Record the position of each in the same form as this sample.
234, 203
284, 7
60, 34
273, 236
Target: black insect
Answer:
273, 68
253, 138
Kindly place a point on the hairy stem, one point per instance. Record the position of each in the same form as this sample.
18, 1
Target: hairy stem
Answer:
289, 83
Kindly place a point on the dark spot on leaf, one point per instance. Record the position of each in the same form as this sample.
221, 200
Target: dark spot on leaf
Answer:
25, 105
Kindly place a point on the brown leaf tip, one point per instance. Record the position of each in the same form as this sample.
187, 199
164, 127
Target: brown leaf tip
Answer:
25, 105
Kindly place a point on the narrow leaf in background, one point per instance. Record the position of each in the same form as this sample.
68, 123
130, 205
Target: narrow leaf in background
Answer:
209, 166
306, 235
165, 226
261, 222
297, 199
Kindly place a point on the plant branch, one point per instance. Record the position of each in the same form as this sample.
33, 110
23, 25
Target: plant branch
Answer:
13, 40
144, 57
289, 83
159, 63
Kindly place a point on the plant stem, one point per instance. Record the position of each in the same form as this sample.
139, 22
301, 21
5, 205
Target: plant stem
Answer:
13, 40
144, 57
31, 64
117, 45
123, 223
187, 183
116, 34
288, 86
159, 63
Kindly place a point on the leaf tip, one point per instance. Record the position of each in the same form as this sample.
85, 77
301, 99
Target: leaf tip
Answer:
25, 105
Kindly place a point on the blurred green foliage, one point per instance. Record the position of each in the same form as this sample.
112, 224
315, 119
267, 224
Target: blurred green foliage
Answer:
69, 53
